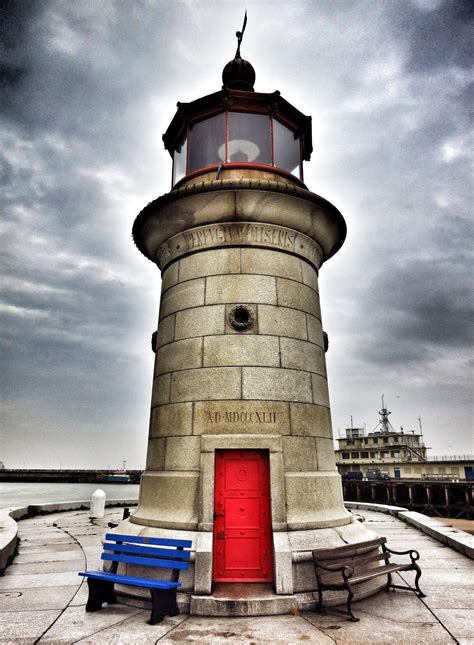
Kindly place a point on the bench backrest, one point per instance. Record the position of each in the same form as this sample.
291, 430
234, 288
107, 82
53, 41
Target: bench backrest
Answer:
348, 550
359, 556
147, 551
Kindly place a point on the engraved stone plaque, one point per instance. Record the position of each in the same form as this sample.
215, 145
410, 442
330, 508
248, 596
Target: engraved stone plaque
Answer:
241, 417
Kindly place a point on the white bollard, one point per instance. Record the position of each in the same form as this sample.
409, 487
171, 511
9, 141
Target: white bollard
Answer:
97, 506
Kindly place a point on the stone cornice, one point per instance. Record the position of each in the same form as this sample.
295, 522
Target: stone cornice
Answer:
243, 200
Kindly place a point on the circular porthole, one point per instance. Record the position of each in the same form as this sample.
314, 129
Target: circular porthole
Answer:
241, 317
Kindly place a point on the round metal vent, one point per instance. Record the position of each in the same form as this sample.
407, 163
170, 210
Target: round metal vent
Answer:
241, 317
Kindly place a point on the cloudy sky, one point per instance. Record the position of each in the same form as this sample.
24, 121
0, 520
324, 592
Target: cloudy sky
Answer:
89, 86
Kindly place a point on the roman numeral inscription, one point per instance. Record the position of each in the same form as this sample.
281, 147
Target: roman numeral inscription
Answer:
241, 417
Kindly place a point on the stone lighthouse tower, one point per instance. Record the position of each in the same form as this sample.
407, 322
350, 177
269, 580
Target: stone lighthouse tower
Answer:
240, 451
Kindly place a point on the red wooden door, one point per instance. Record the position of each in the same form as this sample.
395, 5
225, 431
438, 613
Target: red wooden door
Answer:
242, 517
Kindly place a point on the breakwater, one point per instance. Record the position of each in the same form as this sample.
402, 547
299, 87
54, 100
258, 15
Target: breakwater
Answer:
72, 476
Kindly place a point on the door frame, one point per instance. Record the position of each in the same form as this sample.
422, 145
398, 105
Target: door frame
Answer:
282, 561
262, 458
211, 443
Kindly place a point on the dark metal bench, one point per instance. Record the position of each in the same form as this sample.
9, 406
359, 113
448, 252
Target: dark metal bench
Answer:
142, 551
346, 567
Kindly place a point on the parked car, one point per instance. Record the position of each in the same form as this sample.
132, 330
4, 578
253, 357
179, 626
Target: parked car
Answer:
377, 474
352, 474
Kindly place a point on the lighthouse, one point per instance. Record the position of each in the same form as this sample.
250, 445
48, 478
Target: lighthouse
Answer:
240, 451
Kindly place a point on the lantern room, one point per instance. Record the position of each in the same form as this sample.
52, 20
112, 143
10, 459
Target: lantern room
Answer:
238, 128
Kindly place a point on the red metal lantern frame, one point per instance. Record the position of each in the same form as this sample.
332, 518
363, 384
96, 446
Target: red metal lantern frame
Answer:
225, 101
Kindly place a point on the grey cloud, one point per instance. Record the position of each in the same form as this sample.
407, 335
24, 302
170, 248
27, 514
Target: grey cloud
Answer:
440, 37
417, 311
97, 85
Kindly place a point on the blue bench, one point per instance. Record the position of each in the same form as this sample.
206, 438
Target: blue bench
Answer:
145, 551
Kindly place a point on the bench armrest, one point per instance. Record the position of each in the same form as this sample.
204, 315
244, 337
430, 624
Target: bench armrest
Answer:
414, 555
346, 571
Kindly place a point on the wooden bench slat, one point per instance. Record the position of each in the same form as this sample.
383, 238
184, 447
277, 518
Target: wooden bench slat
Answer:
147, 550
357, 563
389, 568
140, 539
348, 549
147, 562
130, 580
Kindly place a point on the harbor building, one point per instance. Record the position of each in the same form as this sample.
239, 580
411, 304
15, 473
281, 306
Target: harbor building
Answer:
386, 453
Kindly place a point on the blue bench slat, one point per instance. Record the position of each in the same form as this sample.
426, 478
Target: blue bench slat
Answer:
130, 580
140, 539
147, 550
148, 562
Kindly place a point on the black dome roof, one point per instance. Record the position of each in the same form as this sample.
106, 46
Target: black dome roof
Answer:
238, 74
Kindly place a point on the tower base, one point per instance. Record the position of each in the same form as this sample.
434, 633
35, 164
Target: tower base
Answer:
294, 582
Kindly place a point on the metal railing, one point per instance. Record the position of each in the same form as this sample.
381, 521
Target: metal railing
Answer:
451, 458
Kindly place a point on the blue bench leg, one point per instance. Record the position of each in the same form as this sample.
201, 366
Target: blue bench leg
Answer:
163, 604
100, 591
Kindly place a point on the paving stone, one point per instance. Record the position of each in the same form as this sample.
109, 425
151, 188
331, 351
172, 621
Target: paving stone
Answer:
27, 568
442, 551
9, 582
25, 626
398, 603
46, 548
437, 597
439, 562
41, 536
81, 596
37, 599
460, 622
62, 538
84, 529
39, 532
135, 631
90, 540
75, 623
379, 631
258, 629
47, 556
444, 578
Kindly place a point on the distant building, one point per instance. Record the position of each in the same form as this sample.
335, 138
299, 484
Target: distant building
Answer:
388, 453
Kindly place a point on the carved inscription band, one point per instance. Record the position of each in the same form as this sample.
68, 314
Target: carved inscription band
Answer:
239, 233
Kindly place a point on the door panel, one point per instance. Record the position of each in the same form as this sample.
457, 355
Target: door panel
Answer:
242, 517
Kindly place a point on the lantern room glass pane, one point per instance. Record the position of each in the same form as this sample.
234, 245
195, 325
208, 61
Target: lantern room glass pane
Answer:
285, 147
179, 162
249, 138
206, 139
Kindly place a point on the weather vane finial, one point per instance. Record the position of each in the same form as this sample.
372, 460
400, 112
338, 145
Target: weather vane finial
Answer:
240, 35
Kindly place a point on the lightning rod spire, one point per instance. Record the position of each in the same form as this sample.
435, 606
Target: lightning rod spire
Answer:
240, 35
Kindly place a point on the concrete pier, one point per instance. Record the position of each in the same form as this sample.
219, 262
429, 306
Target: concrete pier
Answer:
42, 599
